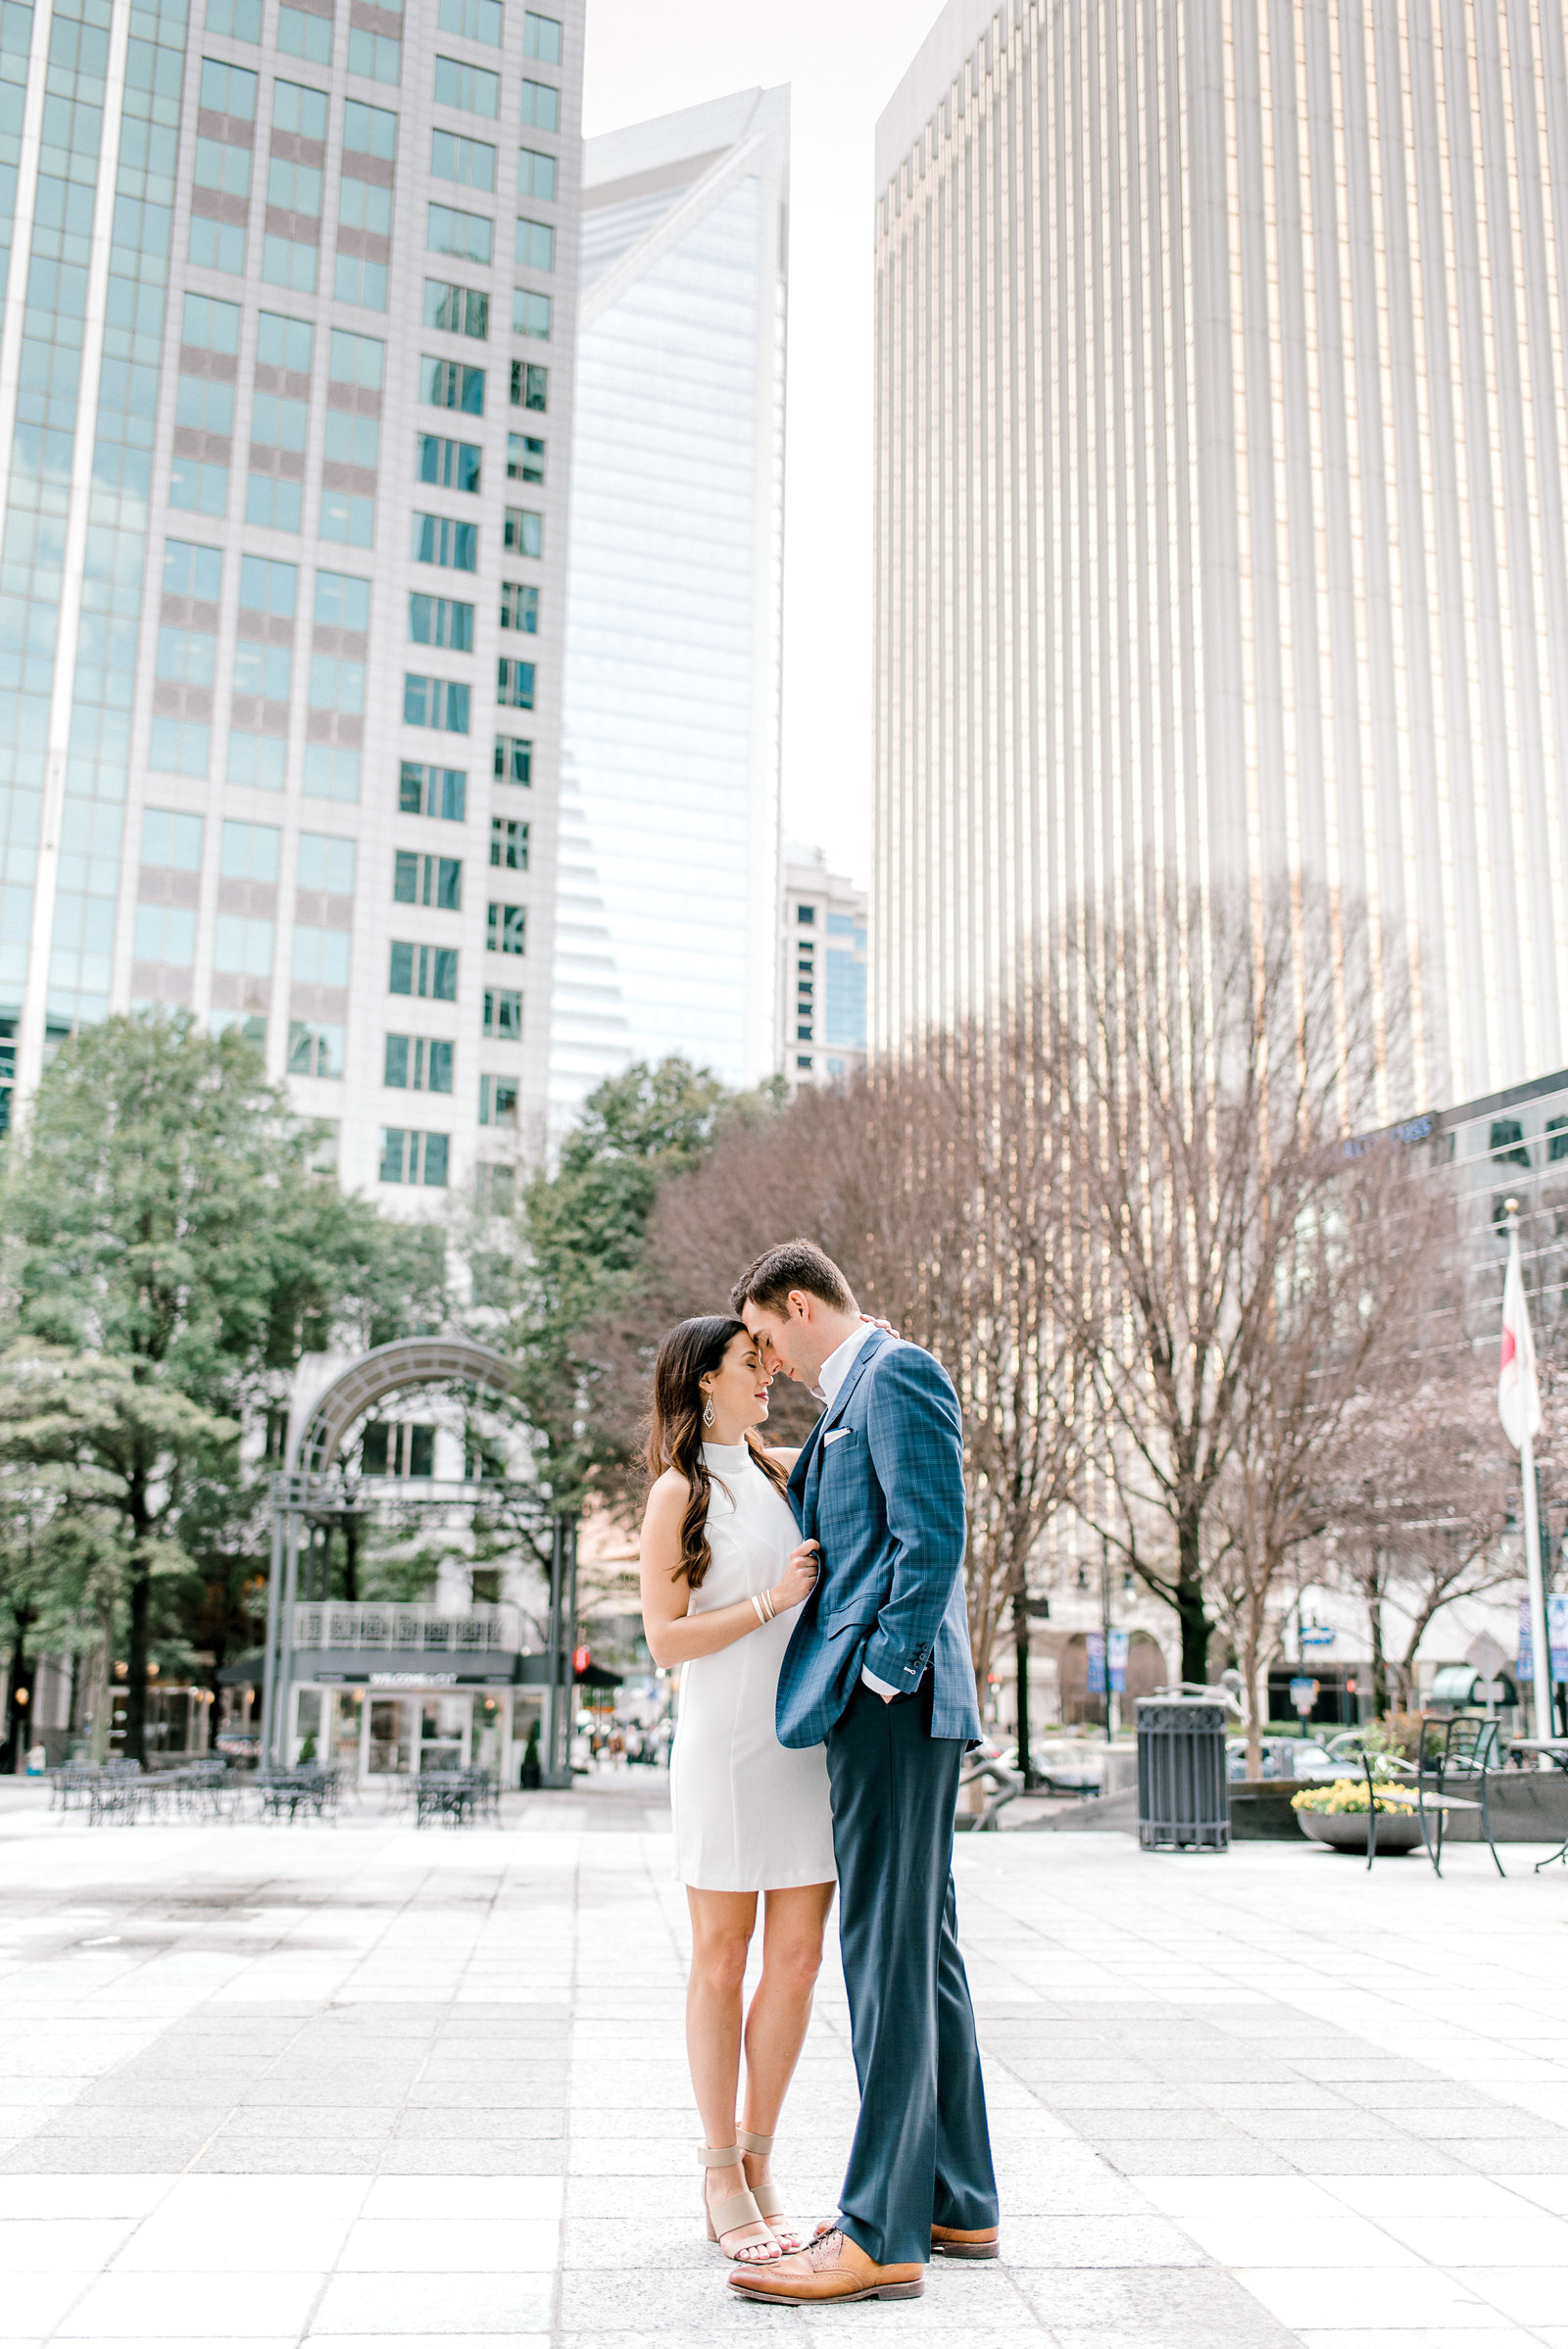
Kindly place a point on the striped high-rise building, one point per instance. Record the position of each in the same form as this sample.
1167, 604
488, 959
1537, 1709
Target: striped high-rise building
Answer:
668, 900
1222, 412
285, 399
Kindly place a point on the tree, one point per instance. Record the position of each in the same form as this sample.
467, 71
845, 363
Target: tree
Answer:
581, 1232
1216, 1055
932, 1187
160, 1217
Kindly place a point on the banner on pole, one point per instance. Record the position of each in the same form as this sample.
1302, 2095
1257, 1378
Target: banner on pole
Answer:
1556, 1637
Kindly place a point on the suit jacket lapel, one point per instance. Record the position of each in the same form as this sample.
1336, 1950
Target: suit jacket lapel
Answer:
808, 1467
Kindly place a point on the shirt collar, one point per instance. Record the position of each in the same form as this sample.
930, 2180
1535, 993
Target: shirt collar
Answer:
836, 1369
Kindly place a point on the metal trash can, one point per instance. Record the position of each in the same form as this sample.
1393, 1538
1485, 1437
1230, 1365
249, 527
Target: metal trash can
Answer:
1183, 1795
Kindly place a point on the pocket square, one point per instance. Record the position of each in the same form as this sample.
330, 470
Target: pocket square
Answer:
834, 1434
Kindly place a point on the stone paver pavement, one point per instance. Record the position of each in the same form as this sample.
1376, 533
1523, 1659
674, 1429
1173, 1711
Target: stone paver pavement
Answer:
333, 2085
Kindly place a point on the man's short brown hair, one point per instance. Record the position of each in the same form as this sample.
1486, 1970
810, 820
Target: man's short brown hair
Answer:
793, 1264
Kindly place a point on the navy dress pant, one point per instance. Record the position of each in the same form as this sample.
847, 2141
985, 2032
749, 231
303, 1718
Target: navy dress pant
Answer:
922, 2149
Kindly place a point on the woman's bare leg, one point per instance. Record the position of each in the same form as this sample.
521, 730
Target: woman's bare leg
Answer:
722, 1924
795, 1920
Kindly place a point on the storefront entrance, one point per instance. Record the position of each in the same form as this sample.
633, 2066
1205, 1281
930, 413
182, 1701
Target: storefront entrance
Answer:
370, 1736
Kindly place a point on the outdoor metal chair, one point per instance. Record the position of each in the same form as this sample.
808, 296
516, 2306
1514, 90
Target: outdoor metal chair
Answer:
444, 1794
1469, 1748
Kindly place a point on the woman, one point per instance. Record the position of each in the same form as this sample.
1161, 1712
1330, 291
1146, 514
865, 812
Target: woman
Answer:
723, 1575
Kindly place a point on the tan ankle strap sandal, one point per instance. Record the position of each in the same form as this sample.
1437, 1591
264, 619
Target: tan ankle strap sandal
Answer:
735, 2211
769, 2199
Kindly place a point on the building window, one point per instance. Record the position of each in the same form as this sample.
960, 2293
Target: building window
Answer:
1557, 1140
337, 684
171, 842
427, 881
803, 1059
440, 791
468, 161
508, 844
536, 175
228, 90
541, 37
471, 88
369, 131
449, 383
530, 387
498, 1101
519, 609
1507, 1145
457, 310
530, 314
331, 772
242, 944
494, 1188
303, 36
438, 621
267, 588
315, 1049
435, 701
259, 761
423, 970
472, 20
414, 1159
448, 464
541, 106
186, 656
357, 359
266, 671
450, 546
326, 863
375, 56
514, 684
523, 533
513, 758
502, 1014
535, 247
805, 915
235, 19
464, 235
504, 929
166, 934
417, 1064
248, 851
525, 458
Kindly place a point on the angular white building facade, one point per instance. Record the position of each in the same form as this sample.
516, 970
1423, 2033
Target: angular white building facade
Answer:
1222, 413
286, 389
668, 903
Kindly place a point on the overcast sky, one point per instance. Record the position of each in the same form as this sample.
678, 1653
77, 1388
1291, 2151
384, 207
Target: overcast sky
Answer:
842, 59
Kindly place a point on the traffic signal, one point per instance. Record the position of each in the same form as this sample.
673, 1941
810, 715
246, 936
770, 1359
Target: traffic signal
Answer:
581, 1657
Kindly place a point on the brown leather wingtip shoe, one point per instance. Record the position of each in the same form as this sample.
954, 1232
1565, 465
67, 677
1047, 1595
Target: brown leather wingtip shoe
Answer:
830, 2268
966, 2242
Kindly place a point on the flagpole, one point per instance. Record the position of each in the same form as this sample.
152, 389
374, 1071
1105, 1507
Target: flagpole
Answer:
1539, 1652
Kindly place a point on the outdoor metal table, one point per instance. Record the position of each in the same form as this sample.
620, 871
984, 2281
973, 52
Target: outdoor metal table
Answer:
1555, 1751
449, 1794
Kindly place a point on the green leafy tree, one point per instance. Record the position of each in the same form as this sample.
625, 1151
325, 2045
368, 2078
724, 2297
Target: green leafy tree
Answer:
160, 1215
582, 1230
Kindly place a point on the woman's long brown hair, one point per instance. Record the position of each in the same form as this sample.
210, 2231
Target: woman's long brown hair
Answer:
689, 1353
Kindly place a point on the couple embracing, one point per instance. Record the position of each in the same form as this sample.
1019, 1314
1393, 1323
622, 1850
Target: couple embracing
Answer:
814, 1604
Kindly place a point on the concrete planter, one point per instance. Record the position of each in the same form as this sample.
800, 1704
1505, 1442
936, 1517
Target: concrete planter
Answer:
1345, 1831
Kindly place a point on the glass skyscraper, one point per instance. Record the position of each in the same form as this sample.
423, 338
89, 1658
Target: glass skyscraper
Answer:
286, 354
1222, 410
667, 905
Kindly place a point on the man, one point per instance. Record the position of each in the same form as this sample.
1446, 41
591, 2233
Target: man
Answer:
879, 1668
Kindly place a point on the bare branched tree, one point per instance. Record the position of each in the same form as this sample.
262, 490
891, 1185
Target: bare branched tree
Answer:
932, 1186
1220, 1054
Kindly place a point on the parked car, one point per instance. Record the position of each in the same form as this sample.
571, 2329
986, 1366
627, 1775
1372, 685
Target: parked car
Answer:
1282, 1757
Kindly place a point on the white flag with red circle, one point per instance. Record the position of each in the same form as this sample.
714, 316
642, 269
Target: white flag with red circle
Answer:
1518, 1394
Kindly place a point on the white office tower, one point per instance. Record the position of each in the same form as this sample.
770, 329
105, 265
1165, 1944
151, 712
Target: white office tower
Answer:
285, 388
1222, 418
667, 906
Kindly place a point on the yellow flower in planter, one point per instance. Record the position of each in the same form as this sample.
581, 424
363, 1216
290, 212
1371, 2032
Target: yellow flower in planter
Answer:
1348, 1795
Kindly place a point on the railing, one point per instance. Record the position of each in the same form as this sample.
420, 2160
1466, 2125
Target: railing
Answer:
435, 1631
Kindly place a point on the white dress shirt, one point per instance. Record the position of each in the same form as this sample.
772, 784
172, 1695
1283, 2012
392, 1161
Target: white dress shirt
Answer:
829, 1379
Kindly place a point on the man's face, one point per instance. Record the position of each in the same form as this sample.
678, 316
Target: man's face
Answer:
785, 1340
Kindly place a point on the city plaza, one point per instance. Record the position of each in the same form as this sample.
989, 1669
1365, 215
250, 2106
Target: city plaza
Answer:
326, 2083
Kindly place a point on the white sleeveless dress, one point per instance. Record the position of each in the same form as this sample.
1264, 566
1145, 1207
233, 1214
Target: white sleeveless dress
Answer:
751, 1815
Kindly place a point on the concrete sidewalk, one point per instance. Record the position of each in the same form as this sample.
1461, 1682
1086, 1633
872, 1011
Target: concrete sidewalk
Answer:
343, 2083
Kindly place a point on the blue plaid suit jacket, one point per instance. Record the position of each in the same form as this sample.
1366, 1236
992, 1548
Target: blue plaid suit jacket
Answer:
879, 1484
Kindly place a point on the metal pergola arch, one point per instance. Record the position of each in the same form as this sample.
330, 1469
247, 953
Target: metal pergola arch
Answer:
312, 1491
